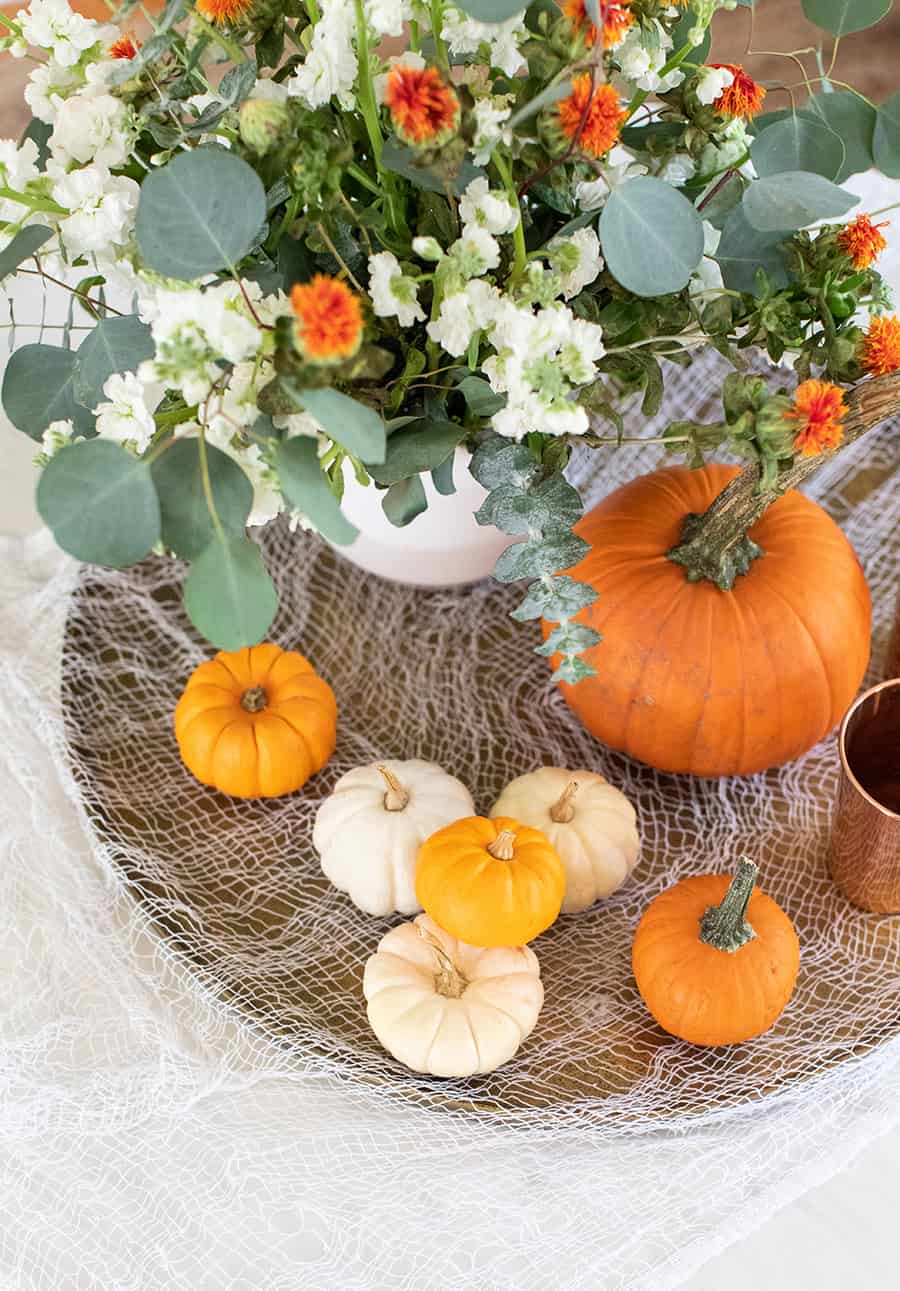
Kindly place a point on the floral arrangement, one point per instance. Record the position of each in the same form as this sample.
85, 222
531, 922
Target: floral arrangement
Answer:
354, 234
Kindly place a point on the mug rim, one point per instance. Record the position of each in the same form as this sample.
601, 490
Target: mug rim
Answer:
842, 745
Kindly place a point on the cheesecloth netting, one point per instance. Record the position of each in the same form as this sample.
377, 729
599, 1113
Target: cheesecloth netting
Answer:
192, 1096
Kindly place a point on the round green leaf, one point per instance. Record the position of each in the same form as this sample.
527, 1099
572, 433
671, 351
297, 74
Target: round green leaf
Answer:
491, 10
651, 236
798, 143
187, 526
100, 503
115, 345
228, 594
306, 486
38, 388
404, 501
886, 140
742, 250
353, 425
201, 212
420, 446
840, 17
793, 200
854, 120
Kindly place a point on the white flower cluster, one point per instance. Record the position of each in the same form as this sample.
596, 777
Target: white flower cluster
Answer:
393, 292
491, 115
465, 35
711, 82
75, 46
329, 69
643, 54
126, 415
18, 167
100, 209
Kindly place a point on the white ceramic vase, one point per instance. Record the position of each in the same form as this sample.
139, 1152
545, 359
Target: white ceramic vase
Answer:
442, 547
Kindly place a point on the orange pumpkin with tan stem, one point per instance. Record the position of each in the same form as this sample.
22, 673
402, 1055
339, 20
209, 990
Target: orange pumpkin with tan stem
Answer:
256, 723
715, 679
490, 882
715, 960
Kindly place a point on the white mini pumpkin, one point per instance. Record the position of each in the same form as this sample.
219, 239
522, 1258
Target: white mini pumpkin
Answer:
445, 1008
591, 824
368, 831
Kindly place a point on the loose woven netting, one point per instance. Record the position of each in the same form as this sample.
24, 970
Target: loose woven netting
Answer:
193, 1097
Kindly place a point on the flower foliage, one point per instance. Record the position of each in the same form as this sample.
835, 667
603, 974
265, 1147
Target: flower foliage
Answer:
384, 228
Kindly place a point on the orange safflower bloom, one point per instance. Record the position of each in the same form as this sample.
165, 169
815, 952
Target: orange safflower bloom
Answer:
743, 97
125, 47
224, 12
329, 322
424, 110
603, 119
617, 18
819, 407
880, 349
862, 241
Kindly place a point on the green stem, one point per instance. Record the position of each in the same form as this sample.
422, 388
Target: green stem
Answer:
724, 926
207, 486
357, 173
231, 47
313, 10
45, 204
521, 254
437, 27
368, 106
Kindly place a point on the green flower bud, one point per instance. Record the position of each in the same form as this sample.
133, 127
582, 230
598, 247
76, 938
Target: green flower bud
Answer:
264, 124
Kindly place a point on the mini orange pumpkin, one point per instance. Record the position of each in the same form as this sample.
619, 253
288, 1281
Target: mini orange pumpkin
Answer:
490, 882
716, 961
256, 723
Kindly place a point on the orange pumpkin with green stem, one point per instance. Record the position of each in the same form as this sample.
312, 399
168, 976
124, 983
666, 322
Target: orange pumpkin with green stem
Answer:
256, 723
715, 960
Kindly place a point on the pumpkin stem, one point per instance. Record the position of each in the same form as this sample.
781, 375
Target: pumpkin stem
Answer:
503, 846
715, 545
449, 981
724, 925
254, 699
396, 797
563, 810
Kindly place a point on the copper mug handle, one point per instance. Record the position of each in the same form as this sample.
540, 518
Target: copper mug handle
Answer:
893, 655
865, 840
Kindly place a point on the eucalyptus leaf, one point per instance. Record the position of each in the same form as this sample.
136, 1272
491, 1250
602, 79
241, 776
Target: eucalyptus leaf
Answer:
841, 17
743, 249
353, 425
187, 526
555, 599
541, 556
569, 638
100, 503
885, 141
228, 594
652, 238
23, 246
442, 476
404, 501
798, 143
39, 132
115, 345
491, 10
792, 200
38, 388
572, 670
482, 401
514, 511
201, 212
420, 446
306, 486
854, 120
400, 159
497, 461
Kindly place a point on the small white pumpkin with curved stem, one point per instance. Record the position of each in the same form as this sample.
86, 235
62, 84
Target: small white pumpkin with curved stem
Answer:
368, 831
591, 825
445, 1008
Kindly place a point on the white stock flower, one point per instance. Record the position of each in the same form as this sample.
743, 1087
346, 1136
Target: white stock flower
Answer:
92, 128
392, 292
707, 276
52, 25
101, 208
678, 169
642, 63
489, 208
577, 260
386, 17
491, 115
196, 330
711, 81
619, 165
127, 412
428, 249
476, 252
59, 434
329, 70
18, 167
48, 87
463, 314
464, 35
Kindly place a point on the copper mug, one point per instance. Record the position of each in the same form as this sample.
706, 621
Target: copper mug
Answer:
865, 841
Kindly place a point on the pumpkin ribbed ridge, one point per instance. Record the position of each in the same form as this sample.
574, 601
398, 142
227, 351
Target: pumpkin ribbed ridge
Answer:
694, 679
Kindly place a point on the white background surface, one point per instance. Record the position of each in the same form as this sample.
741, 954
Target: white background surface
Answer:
841, 1231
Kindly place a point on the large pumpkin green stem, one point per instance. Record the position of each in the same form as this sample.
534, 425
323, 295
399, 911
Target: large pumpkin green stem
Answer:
724, 925
716, 547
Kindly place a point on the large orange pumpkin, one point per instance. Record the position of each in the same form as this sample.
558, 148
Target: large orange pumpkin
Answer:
691, 678
256, 723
